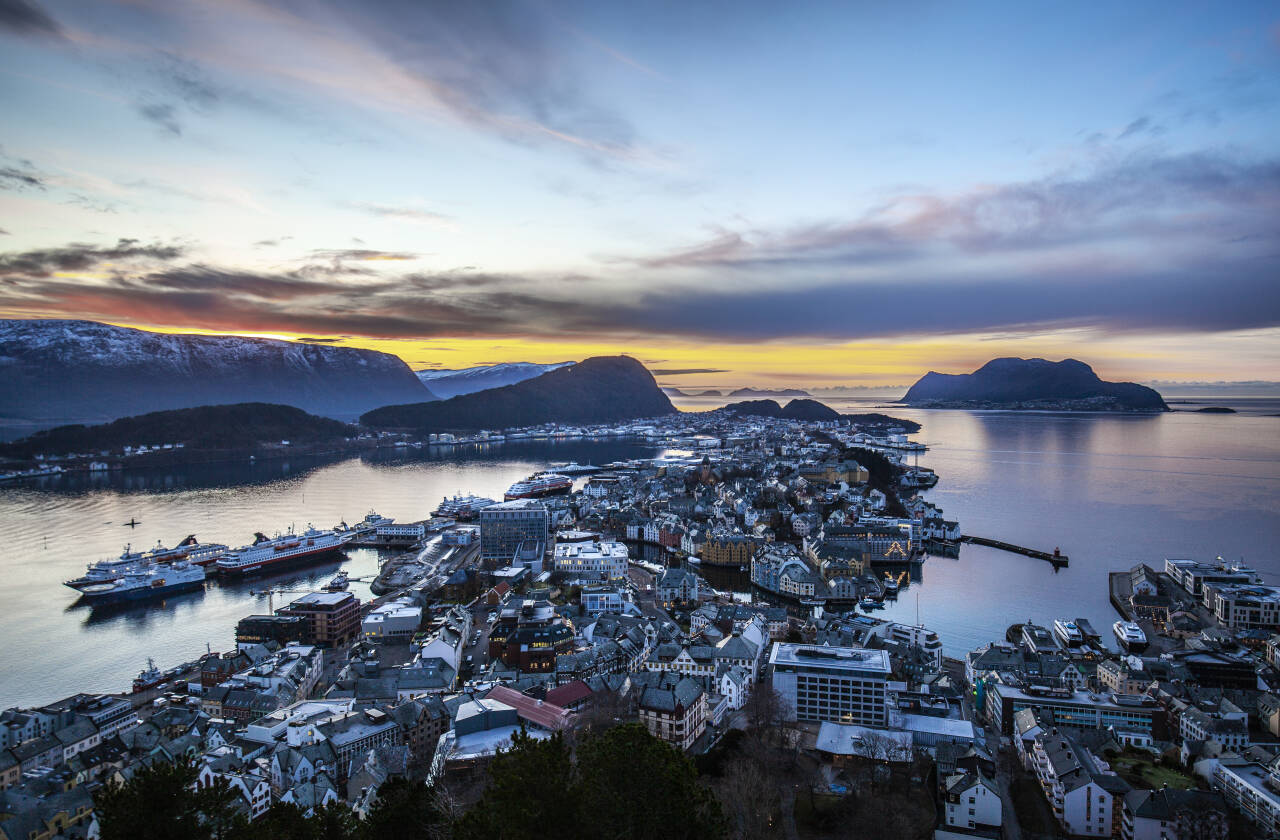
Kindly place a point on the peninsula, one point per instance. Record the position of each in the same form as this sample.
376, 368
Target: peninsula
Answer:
1031, 384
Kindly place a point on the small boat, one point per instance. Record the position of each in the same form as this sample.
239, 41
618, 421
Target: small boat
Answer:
891, 588
869, 604
339, 583
149, 677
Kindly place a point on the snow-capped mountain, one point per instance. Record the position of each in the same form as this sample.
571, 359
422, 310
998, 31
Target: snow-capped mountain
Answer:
451, 383
54, 371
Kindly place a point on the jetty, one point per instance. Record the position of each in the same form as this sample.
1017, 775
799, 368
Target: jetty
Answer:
1057, 558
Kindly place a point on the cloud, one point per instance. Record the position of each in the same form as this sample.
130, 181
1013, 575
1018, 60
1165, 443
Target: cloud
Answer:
408, 214
163, 115
682, 371
27, 18
1142, 125
81, 257
364, 254
311, 340
1141, 244
19, 173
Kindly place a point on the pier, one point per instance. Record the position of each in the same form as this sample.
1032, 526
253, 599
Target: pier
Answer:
1057, 558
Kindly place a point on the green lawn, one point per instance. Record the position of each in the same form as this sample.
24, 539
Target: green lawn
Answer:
1141, 772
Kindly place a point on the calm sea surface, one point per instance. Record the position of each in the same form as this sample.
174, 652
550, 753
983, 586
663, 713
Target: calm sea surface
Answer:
1109, 490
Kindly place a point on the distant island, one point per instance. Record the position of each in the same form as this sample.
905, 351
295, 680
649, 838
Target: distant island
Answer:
803, 409
1031, 384
1215, 409
710, 394
674, 392
753, 392
239, 427
602, 389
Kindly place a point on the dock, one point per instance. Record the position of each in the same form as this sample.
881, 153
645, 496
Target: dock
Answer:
1057, 558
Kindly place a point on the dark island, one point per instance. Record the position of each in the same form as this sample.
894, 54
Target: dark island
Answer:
603, 389
1215, 409
814, 410
243, 427
1031, 384
768, 392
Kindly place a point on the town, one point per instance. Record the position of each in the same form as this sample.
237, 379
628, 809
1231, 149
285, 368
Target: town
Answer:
720, 598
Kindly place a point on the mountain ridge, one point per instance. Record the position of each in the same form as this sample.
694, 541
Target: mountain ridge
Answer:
597, 390
453, 382
58, 371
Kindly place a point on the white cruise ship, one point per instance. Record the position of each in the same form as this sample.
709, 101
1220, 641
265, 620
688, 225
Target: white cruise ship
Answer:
541, 484
1130, 636
153, 581
282, 549
463, 507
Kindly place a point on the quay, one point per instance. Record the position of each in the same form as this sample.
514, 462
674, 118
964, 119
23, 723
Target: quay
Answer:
1057, 558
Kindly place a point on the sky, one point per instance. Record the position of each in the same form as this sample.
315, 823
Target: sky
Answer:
808, 194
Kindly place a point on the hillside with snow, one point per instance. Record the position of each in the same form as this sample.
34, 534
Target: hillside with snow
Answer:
54, 372
453, 383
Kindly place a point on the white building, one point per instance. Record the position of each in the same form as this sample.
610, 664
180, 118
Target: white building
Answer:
838, 684
607, 560
972, 801
394, 621
1086, 797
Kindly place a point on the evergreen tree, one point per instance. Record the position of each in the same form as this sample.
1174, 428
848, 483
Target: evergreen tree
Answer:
636, 787
161, 802
404, 810
531, 793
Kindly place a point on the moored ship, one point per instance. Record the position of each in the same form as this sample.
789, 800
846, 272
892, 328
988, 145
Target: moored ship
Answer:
463, 507
1130, 636
280, 550
189, 550
152, 581
539, 484
1068, 632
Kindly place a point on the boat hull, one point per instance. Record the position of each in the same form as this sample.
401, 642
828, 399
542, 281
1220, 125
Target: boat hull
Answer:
141, 593
268, 564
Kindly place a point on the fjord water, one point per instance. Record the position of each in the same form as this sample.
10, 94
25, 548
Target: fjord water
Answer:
50, 529
1110, 490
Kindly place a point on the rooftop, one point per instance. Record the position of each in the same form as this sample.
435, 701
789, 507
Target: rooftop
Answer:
842, 658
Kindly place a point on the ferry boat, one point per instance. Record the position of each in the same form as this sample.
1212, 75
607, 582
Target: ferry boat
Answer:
462, 507
1068, 632
869, 604
574, 468
280, 550
890, 588
919, 478
105, 571
339, 583
130, 561
1130, 636
148, 677
539, 484
154, 581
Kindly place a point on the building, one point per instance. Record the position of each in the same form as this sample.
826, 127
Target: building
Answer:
971, 800
1119, 676
602, 560
677, 586
601, 599
1192, 575
731, 550
1067, 708
672, 707
529, 635
1086, 799
504, 526
1250, 789
838, 684
394, 621
1242, 606
333, 617
1169, 814
282, 629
